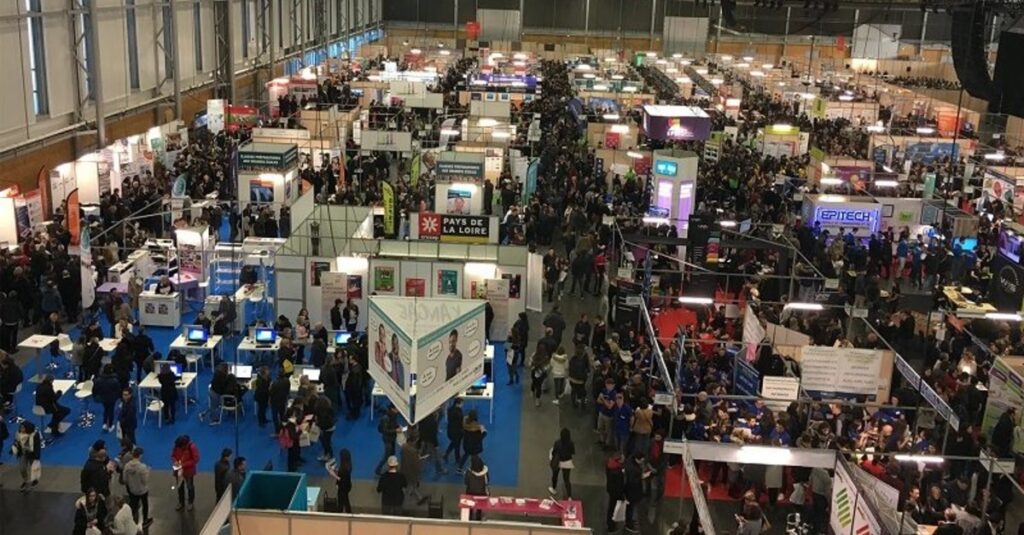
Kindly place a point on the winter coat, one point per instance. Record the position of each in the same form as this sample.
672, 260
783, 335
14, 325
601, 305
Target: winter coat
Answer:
123, 522
136, 477
477, 483
188, 457
473, 438
82, 516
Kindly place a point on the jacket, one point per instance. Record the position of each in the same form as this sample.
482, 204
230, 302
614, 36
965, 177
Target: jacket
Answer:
614, 479
220, 476
473, 438
99, 514
261, 389
46, 397
136, 477
455, 422
188, 457
51, 301
28, 446
477, 483
279, 391
634, 488
391, 487
123, 522
127, 417
96, 476
558, 364
106, 389
579, 368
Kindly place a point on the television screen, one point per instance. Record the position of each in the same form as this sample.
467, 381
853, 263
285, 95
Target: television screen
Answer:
666, 168
312, 373
176, 369
341, 338
266, 336
480, 383
1010, 244
196, 333
241, 371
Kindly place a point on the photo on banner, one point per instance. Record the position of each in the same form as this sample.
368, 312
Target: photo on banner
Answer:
451, 357
390, 358
333, 287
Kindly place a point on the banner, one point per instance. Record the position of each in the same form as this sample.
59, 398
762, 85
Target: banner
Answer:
74, 218
531, 179
747, 378
389, 209
85, 261
390, 361
414, 169
497, 296
454, 228
780, 388
273, 160
840, 370
449, 359
1005, 390
753, 334
460, 171
215, 115
333, 287
844, 495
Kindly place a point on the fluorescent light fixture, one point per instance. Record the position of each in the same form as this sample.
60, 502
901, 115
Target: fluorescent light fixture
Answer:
630, 89
876, 128
661, 62
929, 459
440, 44
610, 117
1003, 316
846, 98
995, 156
886, 183
497, 55
619, 129
416, 51
671, 70
583, 67
717, 81
748, 58
925, 130
655, 220
589, 76
685, 62
445, 52
702, 71
696, 300
805, 306
726, 58
887, 169
501, 135
609, 60
617, 77
831, 181
767, 66
651, 54
756, 74
600, 87
727, 223
635, 155
487, 122
808, 96
449, 132
742, 65
519, 56
677, 55
831, 198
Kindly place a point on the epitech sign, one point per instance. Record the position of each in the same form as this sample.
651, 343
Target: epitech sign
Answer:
846, 216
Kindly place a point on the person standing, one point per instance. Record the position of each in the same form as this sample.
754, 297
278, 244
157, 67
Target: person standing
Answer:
355, 384
293, 427
96, 471
410, 466
559, 362
522, 337
562, 452
237, 475
622, 422
280, 389
642, 425
336, 317
127, 417
122, 520
636, 475
455, 432
391, 487
351, 316
27, 447
539, 372
107, 390
261, 394
220, 473
136, 481
429, 443
473, 433
184, 460
327, 422
615, 487
342, 474
388, 429
168, 392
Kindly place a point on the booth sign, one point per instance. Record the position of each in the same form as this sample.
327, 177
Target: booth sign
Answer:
455, 228
460, 171
267, 161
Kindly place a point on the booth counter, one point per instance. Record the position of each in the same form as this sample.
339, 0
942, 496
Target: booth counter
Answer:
159, 310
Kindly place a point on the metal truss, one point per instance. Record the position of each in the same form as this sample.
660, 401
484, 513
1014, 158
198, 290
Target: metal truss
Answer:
224, 74
167, 29
266, 25
88, 83
298, 33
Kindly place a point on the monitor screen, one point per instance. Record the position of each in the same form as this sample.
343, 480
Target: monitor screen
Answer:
312, 373
266, 336
241, 371
196, 333
176, 369
341, 338
480, 383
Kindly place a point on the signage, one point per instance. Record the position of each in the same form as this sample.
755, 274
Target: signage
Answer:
783, 389
663, 398
674, 447
460, 171
747, 378
454, 228
850, 216
1006, 290
666, 168
250, 160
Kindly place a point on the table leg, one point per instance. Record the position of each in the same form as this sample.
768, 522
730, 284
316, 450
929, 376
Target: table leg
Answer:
492, 411
186, 400
38, 377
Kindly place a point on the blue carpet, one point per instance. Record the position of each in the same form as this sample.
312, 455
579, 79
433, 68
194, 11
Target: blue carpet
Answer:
501, 446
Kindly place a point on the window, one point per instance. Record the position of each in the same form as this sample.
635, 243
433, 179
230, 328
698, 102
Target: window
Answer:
197, 35
133, 45
37, 57
246, 28
280, 24
87, 47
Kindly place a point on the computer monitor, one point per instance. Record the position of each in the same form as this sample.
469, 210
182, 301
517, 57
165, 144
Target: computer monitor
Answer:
265, 336
341, 338
480, 383
176, 370
196, 334
241, 371
312, 373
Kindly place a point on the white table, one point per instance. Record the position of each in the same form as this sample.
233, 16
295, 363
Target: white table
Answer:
109, 344
210, 347
151, 382
249, 346
63, 385
37, 342
487, 395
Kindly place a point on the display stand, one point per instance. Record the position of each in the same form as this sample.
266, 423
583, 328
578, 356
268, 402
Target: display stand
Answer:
158, 310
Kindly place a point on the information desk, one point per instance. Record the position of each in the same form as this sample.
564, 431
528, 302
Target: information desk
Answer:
37, 342
160, 310
486, 395
964, 301
150, 382
210, 347
570, 511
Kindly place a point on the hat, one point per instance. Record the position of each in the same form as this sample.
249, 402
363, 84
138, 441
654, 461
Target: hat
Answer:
392, 461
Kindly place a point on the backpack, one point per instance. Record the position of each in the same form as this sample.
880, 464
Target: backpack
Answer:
284, 438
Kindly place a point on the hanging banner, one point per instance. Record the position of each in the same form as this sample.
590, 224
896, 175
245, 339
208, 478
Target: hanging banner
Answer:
215, 115
531, 179
497, 296
414, 169
87, 274
391, 354
1005, 390
753, 334
839, 370
451, 357
74, 217
389, 209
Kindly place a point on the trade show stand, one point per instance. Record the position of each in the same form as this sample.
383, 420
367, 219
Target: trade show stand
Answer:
159, 310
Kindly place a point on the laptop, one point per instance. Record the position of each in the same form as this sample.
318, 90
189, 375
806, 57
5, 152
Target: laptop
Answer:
312, 373
479, 385
341, 338
265, 337
241, 371
196, 335
176, 370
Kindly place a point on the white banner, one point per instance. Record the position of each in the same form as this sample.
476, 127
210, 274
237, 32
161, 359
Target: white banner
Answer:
391, 356
753, 333
449, 359
534, 282
781, 388
840, 370
497, 296
215, 115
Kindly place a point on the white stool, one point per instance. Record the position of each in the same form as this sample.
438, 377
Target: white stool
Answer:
234, 408
83, 391
39, 411
157, 406
193, 361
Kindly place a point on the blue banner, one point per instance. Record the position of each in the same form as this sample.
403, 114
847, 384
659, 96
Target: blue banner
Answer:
531, 179
748, 381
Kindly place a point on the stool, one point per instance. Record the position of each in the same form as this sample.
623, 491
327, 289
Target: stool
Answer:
157, 406
193, 361
39, 411
83, 391
66, 347
231, 404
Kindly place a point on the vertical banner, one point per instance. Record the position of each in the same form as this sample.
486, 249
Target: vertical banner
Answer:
844, 495
215, 115
333, 286
449, 359
390, 358
534, 282
88, 278
497, 296
753, 334
531, 180
389, 209
1005, 390
414, 169
74, 218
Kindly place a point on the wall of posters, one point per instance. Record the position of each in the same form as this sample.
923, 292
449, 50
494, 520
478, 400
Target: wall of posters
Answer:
390, 362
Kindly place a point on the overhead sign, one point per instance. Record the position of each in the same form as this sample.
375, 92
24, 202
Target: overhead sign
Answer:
857, 217
837, 370
460, 171
257, 160
454, 228
666, 168
785, 389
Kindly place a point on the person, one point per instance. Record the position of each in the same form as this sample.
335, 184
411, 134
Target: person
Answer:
391, 487
642, 425
135, 474
579, 370
510, 356
428, 444
342, 474
327, 422
750, 521
477, 479
11, 378
90, 514
388, 429
184, 460
351, 316
488, 320
122, 520
237, 475
280, 390
539, 372
336, 317
11, 313
355, 385
455, 431
615, 487
558, 369
220, 473
218, 388
28, 447
168, 392
293, 426
261, 394
1002, 433
561, 454
453, 362
96, 471
521, 328
623, 419
473, 433
948, 525
47, 398
409, 465
107, 390
127, 416
636, 476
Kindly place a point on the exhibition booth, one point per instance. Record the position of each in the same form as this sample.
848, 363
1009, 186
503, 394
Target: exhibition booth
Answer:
780, 140
459, 177
675, 184
895, 151
269, 173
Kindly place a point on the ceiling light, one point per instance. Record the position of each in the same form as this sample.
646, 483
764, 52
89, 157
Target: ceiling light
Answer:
995, 156
629, 89
886, 183
445, 52
610, 117
652, 54
846, 98
726, 58
449, 132
748, 58
635, 155
617, 77
926, 130
1004, 316
583, 67
677, 55
696, 300
876, 128
831, 181
416, 51
589, 76
519, 56
805, 306
501, 135
487, 123
600, 87
619, 129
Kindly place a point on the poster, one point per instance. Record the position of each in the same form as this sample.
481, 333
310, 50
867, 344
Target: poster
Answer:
477, 290
384, 279
390, 358
497, 296
458, 201
447, 283
781, 388
1005, 389
333, 287
753, 334
451, 358
415, 287
355, 287
844, 494
515, 285
316, 270
261, 191
389, 209
838, 370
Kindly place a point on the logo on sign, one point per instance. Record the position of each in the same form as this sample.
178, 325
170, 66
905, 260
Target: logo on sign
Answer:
430, 225
848, 216
1008, 280
665, 168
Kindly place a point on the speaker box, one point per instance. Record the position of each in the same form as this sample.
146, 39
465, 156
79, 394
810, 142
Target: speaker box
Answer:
1009, 75
968, 49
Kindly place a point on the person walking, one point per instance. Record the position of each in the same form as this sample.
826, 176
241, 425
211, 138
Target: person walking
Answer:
539, 372
391, 487
410, 466
122, 521
522, 335
136, 481
615, 487
579, 370
428, 428
388, 429
27, 447
559, 362
96, 472
473, 433
455, 431
128, 417
280, 389
478, 482
292, 428
342, 474
221, 469
636, 476
561, 454
184, 460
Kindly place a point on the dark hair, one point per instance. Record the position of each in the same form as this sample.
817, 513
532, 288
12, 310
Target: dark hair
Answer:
476, 464
226, 452
182, 441
239, 461
345, 460
455, 333
566, 438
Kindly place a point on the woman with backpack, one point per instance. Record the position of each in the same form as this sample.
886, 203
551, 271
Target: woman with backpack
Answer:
562, 452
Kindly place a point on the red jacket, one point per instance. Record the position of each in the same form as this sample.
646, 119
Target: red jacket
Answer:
187, 457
